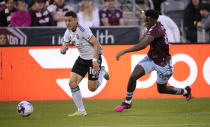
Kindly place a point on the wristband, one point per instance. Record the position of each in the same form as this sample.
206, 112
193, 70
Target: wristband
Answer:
94, 59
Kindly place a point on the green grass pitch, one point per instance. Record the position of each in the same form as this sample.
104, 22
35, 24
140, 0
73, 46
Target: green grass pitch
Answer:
144, 113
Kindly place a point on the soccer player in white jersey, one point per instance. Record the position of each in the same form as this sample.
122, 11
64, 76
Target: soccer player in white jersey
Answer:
89, 60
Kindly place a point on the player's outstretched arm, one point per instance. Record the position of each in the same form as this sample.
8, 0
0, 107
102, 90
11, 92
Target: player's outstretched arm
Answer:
96, 46
64, 48
141, 45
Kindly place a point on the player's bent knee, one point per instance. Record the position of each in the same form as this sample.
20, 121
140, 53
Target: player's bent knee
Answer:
92, 89
73, 84
92, 85
132, 78
135, 77
162, 89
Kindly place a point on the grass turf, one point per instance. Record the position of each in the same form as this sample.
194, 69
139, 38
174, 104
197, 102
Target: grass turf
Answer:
144, 113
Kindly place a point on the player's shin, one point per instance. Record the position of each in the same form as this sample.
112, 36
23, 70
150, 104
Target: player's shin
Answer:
130, 89
128, 97
100, 78
162, 88
175, 90
77, 97
101, 75
180, 91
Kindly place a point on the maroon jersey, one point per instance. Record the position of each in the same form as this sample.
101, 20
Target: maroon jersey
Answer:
159, 48
113, 16
41, 18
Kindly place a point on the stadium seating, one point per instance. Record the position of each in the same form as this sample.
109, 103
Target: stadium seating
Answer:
175, 10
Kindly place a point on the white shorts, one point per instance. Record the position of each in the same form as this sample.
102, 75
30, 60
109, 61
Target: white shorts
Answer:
163, 72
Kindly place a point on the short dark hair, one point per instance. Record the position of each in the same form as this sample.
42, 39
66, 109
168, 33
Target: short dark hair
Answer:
71, 13
205, 7
20, 1
152, 13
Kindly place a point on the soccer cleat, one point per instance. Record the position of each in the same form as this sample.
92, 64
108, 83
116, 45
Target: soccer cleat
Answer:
188, 96
123, 106
106, 75
102, 74
77, 113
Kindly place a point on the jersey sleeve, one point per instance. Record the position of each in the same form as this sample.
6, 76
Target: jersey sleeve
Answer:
121, 14
66, 37
87, 34
154, 32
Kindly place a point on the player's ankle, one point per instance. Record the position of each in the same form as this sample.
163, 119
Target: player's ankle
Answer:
129, 95
185, 92
81, 110
128, 101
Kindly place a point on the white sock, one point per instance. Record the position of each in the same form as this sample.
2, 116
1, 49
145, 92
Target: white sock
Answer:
185, 92
128, 101
77, 97
101, 76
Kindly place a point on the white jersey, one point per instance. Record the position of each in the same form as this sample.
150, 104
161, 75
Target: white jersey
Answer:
53, 9
172, 29
81, 39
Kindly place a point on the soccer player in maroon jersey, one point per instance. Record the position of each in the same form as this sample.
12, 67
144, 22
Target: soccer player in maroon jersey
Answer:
158, 58
110, 15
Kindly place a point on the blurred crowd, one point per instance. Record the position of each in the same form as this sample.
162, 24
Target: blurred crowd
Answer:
24, 13
196, 15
